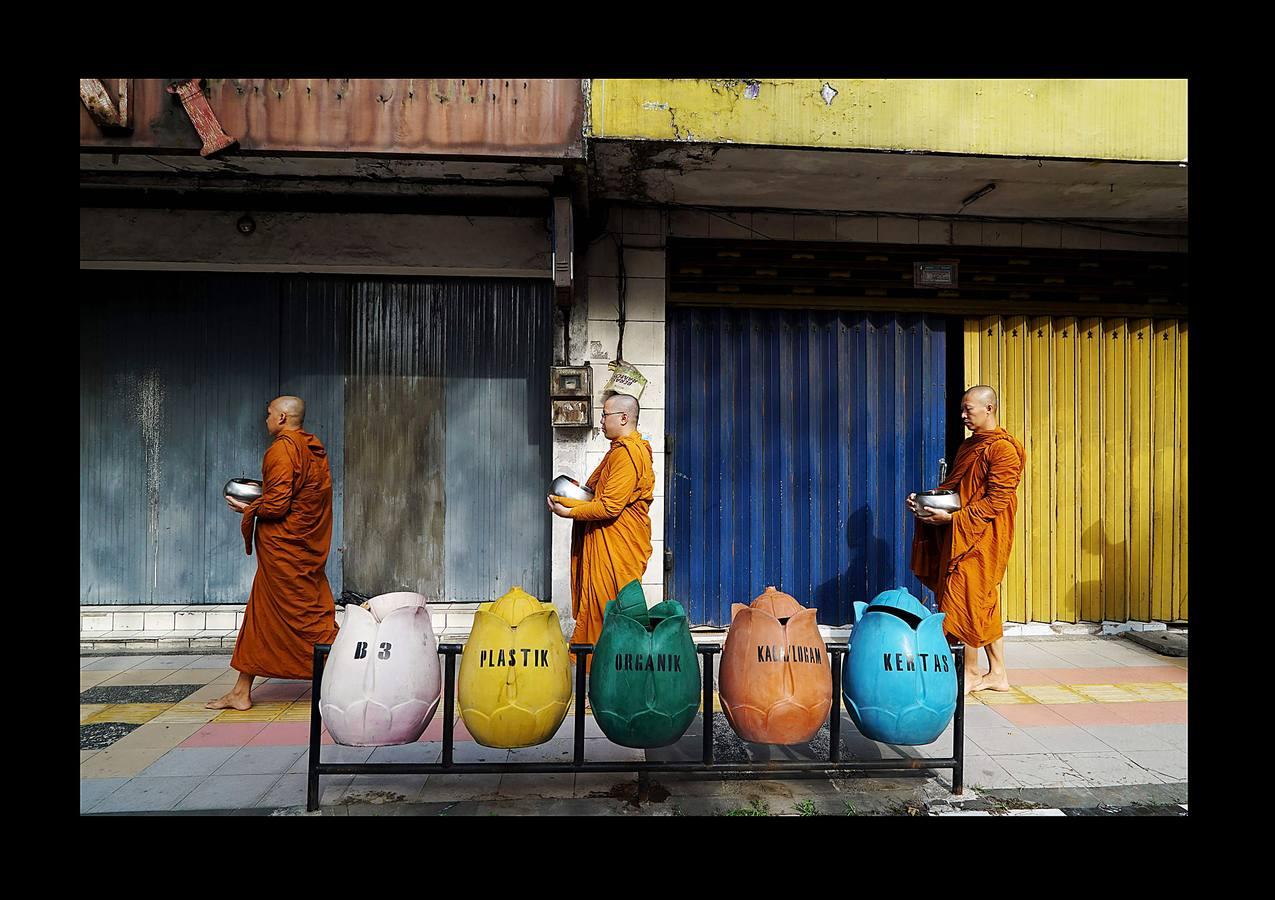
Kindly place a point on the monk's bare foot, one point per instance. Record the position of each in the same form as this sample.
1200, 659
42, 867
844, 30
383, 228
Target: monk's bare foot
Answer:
972, 684
230, 701
990, 682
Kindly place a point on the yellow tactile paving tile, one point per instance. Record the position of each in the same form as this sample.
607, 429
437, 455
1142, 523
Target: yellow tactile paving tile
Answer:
297, 712
1105, 693
1156, 691
1003, 698
90, 709
134, 713
188, 712
1053, 693
260, 712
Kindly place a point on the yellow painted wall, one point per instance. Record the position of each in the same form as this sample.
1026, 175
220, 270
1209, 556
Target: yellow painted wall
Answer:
1100, 406
1117, 119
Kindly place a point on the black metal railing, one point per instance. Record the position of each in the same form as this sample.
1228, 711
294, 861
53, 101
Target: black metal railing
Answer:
770, 769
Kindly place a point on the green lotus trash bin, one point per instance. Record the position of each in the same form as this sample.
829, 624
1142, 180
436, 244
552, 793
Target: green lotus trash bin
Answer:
645, 679
632, 602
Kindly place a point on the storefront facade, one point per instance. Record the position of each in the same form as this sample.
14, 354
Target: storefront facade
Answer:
751, 246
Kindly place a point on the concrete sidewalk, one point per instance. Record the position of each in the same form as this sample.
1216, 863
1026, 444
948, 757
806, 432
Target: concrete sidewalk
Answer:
1092, 723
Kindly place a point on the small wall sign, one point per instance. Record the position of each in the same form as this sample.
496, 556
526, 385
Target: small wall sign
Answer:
935, 274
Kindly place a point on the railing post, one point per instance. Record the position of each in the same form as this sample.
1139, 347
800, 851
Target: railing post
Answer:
708, 650
834, 715
316, 728
581, 652
449, 699
958, 725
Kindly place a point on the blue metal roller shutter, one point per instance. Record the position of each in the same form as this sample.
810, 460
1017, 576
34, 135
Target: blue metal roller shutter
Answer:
796, 435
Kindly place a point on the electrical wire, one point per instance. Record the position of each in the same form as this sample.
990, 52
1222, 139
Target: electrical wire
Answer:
621, 288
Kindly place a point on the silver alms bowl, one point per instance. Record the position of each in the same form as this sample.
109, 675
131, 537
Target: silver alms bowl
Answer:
948, 501
565, 486
244, 490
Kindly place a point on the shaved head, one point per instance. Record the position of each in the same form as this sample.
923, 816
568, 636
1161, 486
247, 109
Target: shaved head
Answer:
982, 395
978, 409
285, 414
619, 415
623, 403
292, 407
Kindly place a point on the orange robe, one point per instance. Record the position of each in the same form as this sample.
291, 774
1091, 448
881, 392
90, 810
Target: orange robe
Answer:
611, 537
964, 562
290, 608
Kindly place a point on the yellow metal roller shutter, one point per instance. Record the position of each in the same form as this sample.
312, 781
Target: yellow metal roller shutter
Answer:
1100, 406
1181, 589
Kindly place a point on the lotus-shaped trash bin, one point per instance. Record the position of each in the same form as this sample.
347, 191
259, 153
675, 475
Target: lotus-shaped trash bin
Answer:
644, 681
775, 680
382, 682
900, 678
515, 672
631, 601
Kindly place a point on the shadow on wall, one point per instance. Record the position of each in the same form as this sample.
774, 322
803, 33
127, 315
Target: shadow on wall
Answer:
867, 553
1090, 597
870, 571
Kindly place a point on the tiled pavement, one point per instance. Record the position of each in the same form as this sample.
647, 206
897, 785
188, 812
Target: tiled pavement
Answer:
1084, 714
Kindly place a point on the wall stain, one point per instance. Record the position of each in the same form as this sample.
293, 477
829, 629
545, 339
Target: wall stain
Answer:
145, 398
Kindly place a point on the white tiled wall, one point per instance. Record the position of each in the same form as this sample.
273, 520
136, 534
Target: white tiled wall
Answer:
174, 628
639, 233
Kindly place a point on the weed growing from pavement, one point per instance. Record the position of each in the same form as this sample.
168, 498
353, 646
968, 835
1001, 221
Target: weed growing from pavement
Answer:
1002, 805
754, 808
806, 808
908, 809
850, 810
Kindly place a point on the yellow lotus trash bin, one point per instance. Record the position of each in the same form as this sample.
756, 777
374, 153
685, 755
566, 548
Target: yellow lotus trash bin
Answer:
515, 673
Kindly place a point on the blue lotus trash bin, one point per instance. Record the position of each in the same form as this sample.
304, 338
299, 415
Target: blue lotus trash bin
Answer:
900, 677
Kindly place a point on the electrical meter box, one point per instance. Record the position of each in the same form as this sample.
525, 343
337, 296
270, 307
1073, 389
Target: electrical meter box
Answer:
571, 393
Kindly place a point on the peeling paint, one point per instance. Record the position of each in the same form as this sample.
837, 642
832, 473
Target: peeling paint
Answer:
1124, 119
651, 104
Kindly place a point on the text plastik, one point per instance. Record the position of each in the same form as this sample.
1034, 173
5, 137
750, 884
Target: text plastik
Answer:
527, 657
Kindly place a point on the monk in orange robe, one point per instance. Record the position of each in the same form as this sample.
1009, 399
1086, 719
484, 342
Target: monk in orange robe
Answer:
962, 556
290, 608
611, 537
